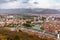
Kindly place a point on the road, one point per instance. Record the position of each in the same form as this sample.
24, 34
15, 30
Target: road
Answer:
42, 32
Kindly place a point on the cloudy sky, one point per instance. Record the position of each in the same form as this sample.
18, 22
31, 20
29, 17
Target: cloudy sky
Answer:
12, 4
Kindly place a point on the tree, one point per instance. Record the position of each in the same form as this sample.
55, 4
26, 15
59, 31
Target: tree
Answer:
28, 22
42, 28
16, 37
27, 25
9, 38
43, 18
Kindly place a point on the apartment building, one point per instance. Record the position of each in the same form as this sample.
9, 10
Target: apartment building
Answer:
52, 26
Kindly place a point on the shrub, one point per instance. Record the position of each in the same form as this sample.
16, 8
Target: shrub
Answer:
16, 37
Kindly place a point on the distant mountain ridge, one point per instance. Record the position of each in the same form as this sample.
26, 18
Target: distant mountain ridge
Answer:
38, 11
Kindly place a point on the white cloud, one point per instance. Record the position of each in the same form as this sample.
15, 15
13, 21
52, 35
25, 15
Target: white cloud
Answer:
14, 4
9, 5
43, 3
40, 4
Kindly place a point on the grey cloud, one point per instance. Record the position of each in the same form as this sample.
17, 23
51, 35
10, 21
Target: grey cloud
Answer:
21, 1
25, 1
2, 1
35, 2
5, 1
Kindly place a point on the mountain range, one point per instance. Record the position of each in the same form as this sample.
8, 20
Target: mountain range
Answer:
36, 11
